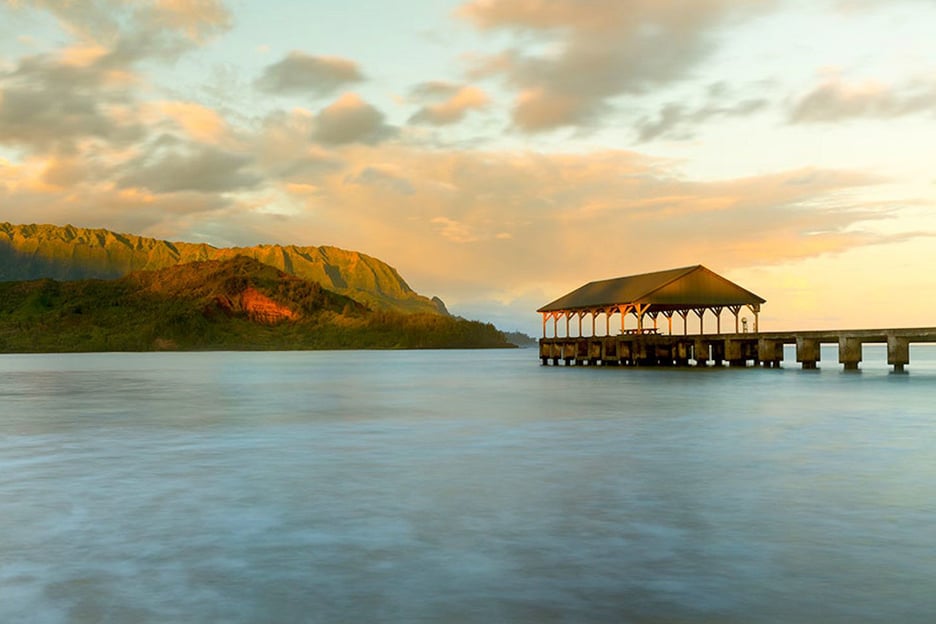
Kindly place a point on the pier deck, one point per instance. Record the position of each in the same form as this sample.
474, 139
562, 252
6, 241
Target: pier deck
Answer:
764, 348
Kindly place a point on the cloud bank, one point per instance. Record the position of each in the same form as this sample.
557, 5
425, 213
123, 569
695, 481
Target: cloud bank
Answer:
597, 50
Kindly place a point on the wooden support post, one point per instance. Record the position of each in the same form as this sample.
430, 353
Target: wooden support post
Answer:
717, 310
594, 316
700, 349
849, 352
755, 309
545, 316
807, 352
640, 310
898, 353
669, 321
700, 312
624, 311
568, 317
685, 321
735, 309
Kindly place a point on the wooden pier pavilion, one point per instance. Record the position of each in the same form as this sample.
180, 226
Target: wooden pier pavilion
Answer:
640, 301
689, 290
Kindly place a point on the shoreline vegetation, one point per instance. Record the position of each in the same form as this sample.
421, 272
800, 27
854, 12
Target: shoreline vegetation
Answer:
237, 304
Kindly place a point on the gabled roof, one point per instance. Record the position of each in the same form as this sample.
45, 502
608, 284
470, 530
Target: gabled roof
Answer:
675, 289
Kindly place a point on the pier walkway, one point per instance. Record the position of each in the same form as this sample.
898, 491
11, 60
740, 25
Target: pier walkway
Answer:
739, 349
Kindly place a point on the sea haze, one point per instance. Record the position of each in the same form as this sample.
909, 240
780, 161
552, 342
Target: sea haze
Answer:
463, 486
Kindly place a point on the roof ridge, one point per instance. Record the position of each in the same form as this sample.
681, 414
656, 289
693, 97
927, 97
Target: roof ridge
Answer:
636, 275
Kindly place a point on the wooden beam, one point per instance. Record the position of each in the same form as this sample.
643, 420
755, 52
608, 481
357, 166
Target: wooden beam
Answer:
700, 312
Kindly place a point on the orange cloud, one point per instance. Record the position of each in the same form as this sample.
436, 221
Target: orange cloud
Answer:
459, 100
83, 54
200, 123
198, 19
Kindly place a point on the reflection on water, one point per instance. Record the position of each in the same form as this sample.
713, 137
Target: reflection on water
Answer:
462, 487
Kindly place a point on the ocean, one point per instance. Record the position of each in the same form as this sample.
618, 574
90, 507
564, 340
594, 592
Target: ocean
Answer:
463, 486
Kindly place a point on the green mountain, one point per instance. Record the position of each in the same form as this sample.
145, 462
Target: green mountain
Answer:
234, 304
69, 253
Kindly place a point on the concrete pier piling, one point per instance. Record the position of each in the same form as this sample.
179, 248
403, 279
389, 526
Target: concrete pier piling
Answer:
808, 352
849, 352
898, 352
770, 352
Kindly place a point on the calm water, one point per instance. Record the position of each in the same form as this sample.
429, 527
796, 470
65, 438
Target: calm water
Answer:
463, 487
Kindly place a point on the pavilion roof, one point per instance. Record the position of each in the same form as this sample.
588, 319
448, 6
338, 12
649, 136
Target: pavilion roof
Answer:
675, 289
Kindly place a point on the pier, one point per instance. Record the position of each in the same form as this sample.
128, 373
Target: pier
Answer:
642, 302
748, 349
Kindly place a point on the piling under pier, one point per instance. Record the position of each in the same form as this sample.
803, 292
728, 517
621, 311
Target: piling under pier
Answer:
764, 349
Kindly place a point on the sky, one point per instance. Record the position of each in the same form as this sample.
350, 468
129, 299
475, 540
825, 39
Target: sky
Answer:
499, 153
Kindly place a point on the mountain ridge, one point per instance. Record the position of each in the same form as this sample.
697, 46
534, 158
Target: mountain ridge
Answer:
35, 251
239, 303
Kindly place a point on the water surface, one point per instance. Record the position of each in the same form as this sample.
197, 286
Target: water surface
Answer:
462, 486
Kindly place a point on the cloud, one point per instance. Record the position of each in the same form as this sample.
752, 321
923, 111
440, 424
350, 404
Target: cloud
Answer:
349, 119
594, 51
89, 89
384, 177
489, 225
50, 101
457, 101
200, 123
80, 190
836, 100
303, 73
199, 20
283, 148
171, 168
464, 224
454, 231
677, 119
133, 31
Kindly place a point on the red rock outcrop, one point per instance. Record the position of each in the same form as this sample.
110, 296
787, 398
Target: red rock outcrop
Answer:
262, 309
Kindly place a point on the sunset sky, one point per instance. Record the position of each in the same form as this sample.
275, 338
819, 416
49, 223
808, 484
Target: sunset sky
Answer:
499, 153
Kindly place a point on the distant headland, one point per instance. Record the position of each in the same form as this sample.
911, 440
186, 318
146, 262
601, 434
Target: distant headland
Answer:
66, 289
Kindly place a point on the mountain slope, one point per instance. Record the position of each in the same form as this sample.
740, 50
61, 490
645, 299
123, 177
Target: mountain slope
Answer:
70, 253
238, 303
